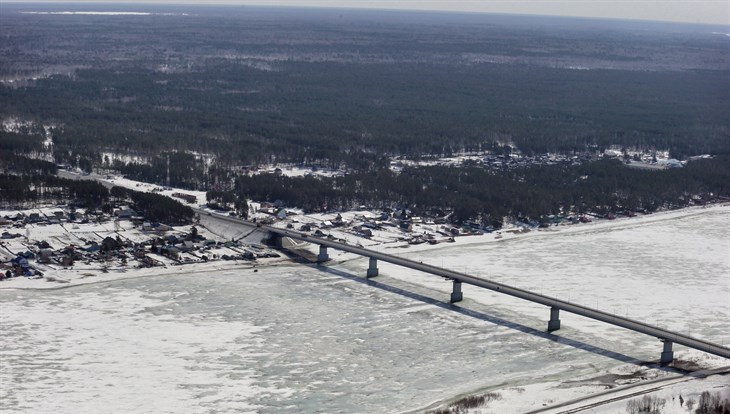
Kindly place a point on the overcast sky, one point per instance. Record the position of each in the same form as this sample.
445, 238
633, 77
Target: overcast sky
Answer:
692, 11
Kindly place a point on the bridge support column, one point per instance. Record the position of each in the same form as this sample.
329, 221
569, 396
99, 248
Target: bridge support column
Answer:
372, 268
667, 353
456, 295
554, 323
323, 256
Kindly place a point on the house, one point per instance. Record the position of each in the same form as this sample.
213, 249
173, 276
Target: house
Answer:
21, 266
187, 246
402, 214
172, 252
67, 261
44, 255
109, 244
162, 228
405, 225
187, 197
338, 221
281, 214
671, 163
365, 232
125, 213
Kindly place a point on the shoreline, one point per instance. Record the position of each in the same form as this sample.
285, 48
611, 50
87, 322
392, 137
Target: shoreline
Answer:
516, 233
68, 278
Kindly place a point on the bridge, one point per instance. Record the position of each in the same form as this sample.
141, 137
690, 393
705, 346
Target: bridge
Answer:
555, 305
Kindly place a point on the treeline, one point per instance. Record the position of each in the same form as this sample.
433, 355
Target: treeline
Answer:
10, 162
185, 170
475, 193
24, 142
32, 190
155, 207
18, 190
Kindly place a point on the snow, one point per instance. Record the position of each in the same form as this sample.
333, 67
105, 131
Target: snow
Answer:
296, 338
291, 170
107, 351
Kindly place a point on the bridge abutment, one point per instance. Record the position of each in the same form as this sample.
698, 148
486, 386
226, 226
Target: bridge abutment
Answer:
372, 268
667, 353
554, 323
323, 256
456, 294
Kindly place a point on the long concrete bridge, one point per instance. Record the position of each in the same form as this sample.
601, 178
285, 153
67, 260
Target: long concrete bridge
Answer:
555, 305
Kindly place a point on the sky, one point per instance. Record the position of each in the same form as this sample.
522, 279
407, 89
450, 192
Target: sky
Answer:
690, 11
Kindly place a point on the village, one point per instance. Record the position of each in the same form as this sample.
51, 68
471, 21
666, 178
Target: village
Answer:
48, 241
509, 158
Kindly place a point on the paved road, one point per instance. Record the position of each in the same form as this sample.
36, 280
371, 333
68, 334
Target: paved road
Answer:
76, 176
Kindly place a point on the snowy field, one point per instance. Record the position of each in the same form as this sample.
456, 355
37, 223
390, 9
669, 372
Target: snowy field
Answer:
293, 338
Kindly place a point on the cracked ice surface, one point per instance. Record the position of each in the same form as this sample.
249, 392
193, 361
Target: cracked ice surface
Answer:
286, 339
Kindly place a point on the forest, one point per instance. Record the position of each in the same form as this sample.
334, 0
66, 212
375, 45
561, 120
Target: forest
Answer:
189, 96
471, 193
358, 85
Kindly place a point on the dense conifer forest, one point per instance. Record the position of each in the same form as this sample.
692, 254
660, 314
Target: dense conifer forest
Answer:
187, 96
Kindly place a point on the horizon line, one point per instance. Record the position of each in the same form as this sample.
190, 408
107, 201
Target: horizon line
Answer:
219, 3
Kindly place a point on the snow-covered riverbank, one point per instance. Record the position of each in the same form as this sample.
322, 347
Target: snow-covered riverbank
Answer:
389, 240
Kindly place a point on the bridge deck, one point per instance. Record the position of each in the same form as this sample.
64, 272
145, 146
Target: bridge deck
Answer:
566, 306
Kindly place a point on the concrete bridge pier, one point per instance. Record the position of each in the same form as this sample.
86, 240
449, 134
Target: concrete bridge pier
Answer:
372, 268
323, 256
456, 295
554, 322
667, 353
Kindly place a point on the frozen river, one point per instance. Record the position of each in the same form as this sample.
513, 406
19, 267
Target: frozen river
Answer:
294, 338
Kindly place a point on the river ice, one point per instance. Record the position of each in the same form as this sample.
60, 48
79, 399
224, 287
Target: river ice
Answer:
295, 338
